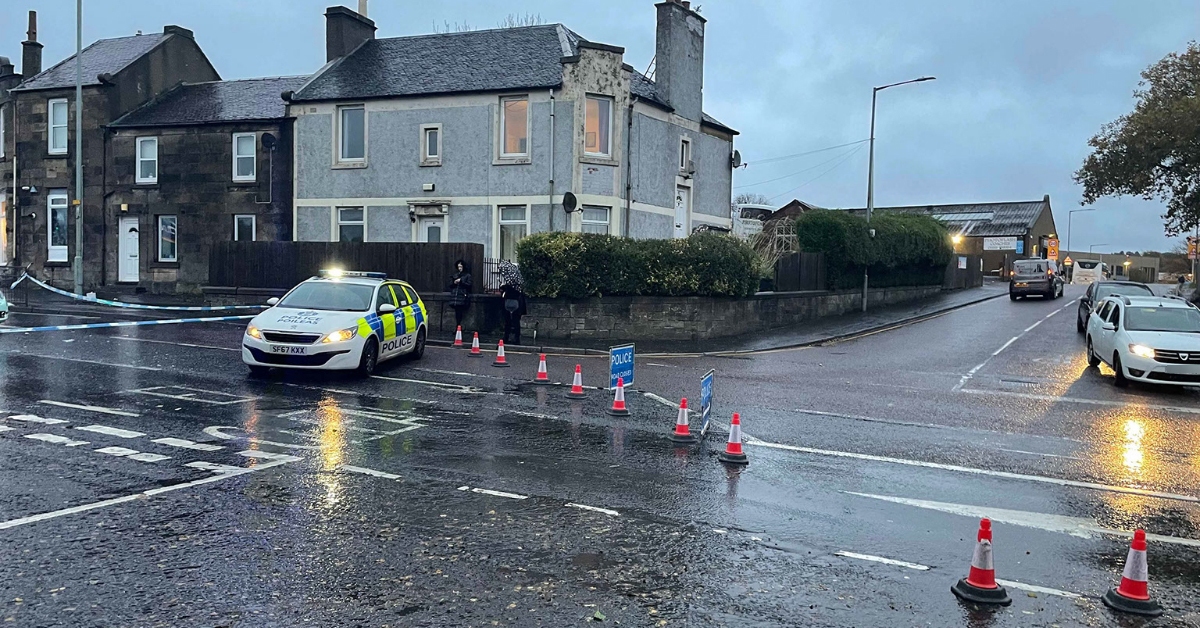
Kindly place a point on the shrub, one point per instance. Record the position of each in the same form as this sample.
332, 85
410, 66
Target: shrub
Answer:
578, 265
907, 250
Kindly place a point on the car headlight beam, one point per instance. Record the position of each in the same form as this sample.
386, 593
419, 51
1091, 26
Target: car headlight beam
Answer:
1141, 351
340, 335
253, 332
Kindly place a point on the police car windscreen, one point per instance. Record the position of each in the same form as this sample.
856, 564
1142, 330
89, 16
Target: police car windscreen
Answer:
1176, 319
320, 295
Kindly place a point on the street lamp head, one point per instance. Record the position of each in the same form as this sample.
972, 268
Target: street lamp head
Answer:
926, 78
956, 238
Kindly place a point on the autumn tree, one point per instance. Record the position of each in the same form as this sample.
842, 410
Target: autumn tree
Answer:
1154, 151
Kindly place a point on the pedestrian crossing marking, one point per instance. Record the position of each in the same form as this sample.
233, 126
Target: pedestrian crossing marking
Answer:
111, 431
56, 439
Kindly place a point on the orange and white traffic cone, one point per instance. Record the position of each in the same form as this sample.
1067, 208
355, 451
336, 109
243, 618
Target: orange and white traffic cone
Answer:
980, 584
1133, 594
458, 337
475, 352
618, 406
542, 375
733, 449
682, 433
500, 361
576, 391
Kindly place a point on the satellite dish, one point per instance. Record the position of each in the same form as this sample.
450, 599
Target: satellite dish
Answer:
569, 202
269, 141
737, 159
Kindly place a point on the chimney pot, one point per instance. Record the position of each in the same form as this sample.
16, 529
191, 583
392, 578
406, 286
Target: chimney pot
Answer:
362, 8
31, 50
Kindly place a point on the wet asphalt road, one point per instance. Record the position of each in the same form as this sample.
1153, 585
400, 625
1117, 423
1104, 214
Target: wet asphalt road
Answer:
147, 481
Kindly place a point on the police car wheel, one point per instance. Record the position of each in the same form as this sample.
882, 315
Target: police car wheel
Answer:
418, 349
369, 359
259, 371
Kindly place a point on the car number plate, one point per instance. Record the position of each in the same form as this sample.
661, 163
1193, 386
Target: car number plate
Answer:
286, 349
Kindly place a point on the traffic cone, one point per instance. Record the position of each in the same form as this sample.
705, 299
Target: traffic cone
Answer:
682, 434
1133, 595
618, 406
475, 352
733, 449
980, 584
542, 375
458, 336
500, 361
576, 391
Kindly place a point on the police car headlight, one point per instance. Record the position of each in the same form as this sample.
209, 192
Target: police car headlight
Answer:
253, 332
340, 335
1141, 351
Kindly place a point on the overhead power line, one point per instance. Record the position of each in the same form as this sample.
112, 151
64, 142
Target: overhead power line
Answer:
802, 171
827, 171
810, 152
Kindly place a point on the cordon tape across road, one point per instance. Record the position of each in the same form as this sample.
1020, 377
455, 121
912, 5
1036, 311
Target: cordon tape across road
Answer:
136, 306
173, 321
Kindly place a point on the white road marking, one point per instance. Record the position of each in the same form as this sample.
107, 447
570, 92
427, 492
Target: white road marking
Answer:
458, 373
212, 397
117, 451
83, 361
1074, 526
372, 472
747, 440
267, 455
177, 344
488, 491
606, 511
1038, 453
885, 561
56, 439
78, 406
147, 457
212, 466
4, 525
455, 387
111, 431
187, 444
1013, 584
664, 401
5, 428
971, 373
216, 431
1092, 402
33, 418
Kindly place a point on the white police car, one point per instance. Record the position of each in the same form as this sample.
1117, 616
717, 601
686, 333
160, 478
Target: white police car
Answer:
339, 320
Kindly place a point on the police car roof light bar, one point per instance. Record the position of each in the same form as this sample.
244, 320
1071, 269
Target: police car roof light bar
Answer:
337, 272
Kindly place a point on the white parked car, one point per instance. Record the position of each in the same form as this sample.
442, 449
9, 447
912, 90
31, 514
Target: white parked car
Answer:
1147, 339
339, 321
3, 308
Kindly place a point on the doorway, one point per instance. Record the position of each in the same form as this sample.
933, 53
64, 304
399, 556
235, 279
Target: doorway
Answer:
431, 229
683, 205
128, 247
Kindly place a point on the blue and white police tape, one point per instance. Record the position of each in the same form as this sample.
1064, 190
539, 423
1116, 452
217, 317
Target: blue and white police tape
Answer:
136, 306
173, 321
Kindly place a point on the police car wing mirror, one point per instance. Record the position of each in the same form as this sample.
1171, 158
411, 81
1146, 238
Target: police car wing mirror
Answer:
387, 308
273, 301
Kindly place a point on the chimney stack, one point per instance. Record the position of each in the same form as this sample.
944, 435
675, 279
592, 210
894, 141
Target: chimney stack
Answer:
31, 50
6, 67
679, 58
346, 30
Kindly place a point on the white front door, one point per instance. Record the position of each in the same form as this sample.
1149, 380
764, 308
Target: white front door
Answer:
683, 203
127, 250
431, 229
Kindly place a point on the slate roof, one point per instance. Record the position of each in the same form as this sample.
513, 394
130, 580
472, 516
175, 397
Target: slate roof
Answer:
103, 56
215, 102
644, 89
980, 219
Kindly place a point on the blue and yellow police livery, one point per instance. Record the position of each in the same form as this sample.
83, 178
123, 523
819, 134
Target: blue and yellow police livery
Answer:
339, 320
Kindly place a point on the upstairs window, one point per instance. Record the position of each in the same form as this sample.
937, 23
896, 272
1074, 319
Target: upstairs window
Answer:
685, 153
147, 160
244, 157
352, 133
56, 136
1, 131
597, 138
514, 127
431, 144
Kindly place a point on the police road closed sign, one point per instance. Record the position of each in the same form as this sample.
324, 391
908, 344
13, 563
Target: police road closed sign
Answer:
706, 399
620, 360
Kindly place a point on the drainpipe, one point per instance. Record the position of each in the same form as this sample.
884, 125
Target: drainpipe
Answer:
552, 159
628, 167
16, 213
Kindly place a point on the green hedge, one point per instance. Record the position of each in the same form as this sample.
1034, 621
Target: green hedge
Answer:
907, 250
578, 265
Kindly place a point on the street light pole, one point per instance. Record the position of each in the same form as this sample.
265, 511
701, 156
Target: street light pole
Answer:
871, 176
78, 271
1071, 214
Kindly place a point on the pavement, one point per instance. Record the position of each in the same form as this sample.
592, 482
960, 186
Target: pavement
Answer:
148, 481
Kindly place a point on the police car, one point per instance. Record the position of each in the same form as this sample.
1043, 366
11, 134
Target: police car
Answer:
341, 320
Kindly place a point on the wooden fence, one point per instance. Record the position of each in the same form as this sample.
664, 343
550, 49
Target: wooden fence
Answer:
428, 267
800, 271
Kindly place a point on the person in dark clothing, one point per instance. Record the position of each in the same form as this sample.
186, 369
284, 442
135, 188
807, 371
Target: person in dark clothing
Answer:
460, 291
513, 299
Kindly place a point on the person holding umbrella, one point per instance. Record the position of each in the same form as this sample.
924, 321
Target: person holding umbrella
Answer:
514, 300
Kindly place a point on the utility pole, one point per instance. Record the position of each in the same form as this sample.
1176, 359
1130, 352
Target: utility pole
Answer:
78, 265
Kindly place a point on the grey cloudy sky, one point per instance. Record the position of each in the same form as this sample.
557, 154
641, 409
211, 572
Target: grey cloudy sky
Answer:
1021, 85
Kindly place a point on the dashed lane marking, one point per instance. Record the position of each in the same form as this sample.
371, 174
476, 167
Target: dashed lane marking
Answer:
111, 431
1129, 405
212, 466
4, 525
611, 513
33, 418
885, 561
79, 406
372, 472
488, 491
972, 470
266, 455
1033, 588
184, 443
5, 428
971, 373
1074, 526
56, 439
117, 451
148, 457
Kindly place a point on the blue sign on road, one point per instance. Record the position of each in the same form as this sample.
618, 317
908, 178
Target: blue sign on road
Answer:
706, 399
621, 361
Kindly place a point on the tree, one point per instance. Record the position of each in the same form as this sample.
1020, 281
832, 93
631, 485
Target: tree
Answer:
751, 198
1154, 151
512, 20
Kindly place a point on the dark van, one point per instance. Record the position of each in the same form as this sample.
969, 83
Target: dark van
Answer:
1035, 276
